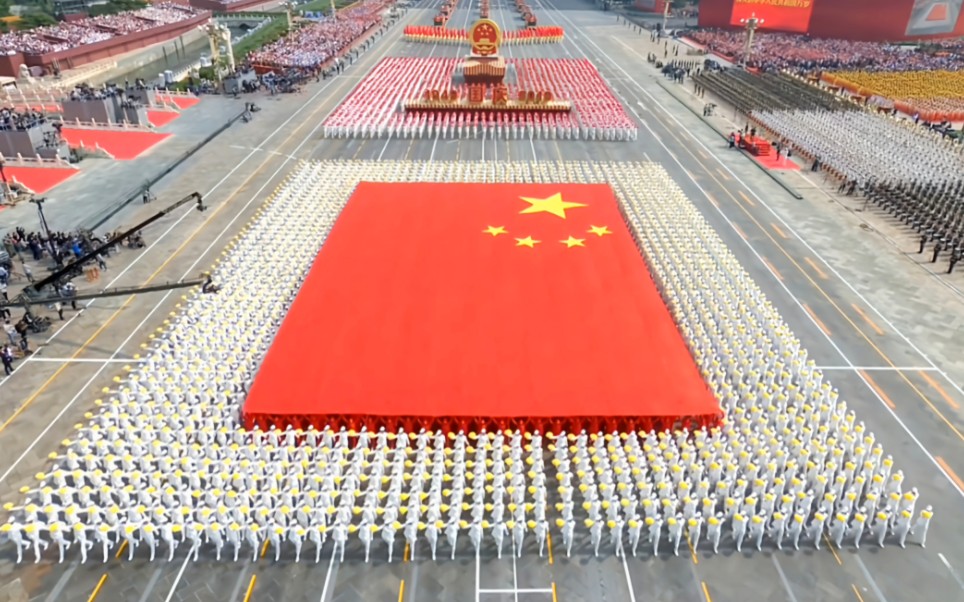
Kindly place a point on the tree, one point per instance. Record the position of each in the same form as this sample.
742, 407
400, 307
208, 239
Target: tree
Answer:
34, 20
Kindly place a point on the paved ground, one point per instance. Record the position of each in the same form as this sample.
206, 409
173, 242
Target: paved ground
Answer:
860, 305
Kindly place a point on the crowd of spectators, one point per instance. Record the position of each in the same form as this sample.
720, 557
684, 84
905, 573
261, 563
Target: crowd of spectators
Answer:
314, 44
12, 119
801, 53
64, 35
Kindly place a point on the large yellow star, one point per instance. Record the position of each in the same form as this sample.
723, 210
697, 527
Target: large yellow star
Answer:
554, 205
573, 242
495, 230
527, 242
599, 230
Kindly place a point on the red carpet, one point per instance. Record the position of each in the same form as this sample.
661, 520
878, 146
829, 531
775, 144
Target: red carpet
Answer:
161, 118
182, 102
39, 179
121, 144
420, 312
772, 162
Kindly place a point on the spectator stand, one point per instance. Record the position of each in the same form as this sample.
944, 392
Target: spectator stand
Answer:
933, 96
316, 47
80, 42
802, 54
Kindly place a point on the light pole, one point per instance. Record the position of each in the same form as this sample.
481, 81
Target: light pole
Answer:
666, 15
751, 24
290, 8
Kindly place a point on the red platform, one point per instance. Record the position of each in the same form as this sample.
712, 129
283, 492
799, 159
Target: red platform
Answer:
39, 180
182, 102
118, 143
420, 312
161, 118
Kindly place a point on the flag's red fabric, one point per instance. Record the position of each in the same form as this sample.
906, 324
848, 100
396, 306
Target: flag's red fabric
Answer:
480, 300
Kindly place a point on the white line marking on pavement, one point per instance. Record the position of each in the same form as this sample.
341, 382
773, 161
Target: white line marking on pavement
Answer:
150, 584
85, 360
629, 580
478, 577
545, 590
951, 569
515, 574
331, 565
180, 574
783, 578
62, 582
759, 257
384, 148
431, 156
878, 368
870, 579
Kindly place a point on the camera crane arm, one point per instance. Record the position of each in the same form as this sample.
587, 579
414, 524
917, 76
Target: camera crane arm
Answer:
26, 301
72, 269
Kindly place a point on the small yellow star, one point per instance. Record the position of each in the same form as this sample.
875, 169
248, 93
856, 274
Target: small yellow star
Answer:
599, 230
527, 242
573, 242
495, 230
554, 205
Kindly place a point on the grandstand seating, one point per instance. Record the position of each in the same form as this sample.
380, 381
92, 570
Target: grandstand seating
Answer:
66, 35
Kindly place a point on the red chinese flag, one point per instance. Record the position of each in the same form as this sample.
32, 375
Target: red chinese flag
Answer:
478, 300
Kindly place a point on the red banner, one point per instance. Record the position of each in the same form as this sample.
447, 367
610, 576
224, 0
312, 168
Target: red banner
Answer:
781, 15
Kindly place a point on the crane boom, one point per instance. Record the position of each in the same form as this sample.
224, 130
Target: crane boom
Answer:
74, 268
121, 291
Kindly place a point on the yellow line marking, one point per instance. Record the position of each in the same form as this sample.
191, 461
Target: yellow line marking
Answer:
746, 198
264, 548
773, 269
405, 554
554, 599
706, 592
247, 594
692, 551
401, 591
720, 171
820, 324
877, 390
100, 586
549, 536
867, 319
121, 549
857, 593
358, 150
949, 471
816, 268
780, 231
128, 301
832, 549
740, 231
702, 154
937, 387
